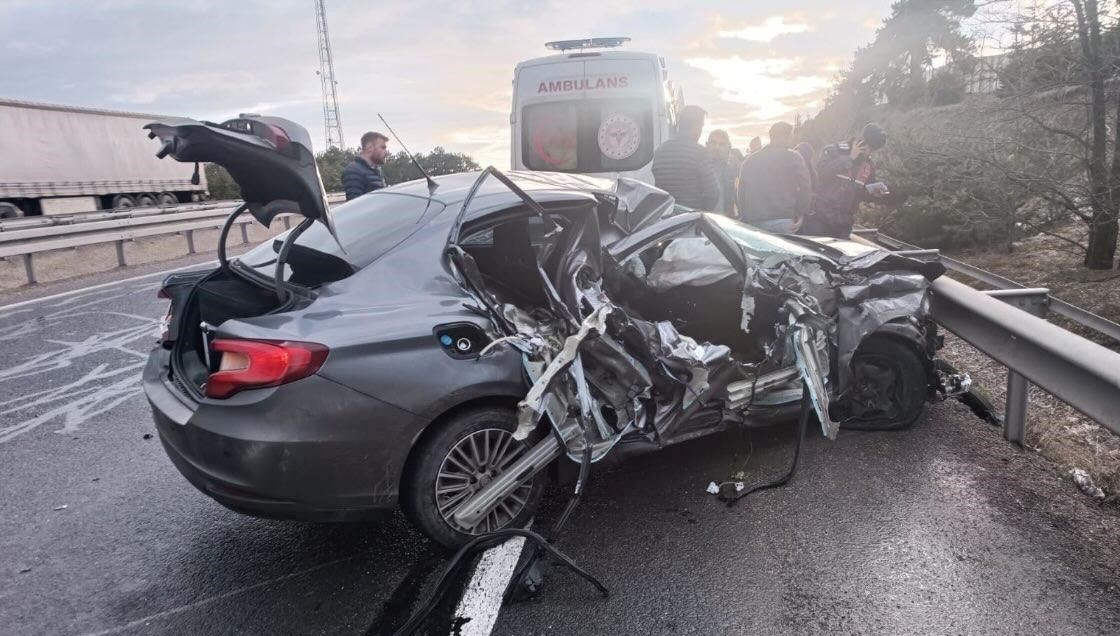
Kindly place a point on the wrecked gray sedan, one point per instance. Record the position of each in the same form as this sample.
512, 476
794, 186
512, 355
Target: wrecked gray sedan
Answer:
438, 345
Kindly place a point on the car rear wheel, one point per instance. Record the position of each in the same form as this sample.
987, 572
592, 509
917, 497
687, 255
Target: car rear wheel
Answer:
889, 385
463, 455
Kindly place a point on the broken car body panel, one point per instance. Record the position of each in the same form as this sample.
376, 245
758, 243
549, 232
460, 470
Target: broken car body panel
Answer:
832, 298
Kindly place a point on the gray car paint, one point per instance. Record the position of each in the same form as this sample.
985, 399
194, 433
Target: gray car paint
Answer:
386, 377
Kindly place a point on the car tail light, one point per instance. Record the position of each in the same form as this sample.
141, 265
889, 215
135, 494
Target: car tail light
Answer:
277, 137
254, 364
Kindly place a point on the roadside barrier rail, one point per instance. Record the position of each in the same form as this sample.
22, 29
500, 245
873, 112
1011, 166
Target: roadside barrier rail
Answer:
29, 236
1009, 325
1077, 314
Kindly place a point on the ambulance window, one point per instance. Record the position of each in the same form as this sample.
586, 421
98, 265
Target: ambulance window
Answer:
589, 135
551, 134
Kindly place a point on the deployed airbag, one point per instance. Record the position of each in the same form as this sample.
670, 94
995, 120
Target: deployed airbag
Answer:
689, 261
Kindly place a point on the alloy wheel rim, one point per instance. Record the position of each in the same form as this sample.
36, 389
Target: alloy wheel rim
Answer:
470, 464
878, 389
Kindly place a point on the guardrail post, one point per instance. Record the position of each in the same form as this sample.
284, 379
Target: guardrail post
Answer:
1035, 302
190, 241
29, 268
120, 254
244, 233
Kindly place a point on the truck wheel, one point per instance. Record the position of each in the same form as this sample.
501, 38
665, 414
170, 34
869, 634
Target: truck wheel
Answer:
146, 200
464, 454
166, 199
889, 385
10, 211
123, 202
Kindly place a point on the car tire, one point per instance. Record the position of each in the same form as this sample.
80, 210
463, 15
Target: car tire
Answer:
430, 465
889, 385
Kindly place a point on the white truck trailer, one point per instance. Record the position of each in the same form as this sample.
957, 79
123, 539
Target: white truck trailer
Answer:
59, 159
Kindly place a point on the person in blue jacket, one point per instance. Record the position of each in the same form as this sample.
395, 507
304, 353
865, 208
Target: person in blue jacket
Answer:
363, 174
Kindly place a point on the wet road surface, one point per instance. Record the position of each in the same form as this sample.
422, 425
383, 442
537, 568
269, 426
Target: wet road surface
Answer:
941, 529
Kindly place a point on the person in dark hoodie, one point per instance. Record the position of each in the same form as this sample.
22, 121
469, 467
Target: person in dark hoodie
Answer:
683, 168
363, 174
774, 188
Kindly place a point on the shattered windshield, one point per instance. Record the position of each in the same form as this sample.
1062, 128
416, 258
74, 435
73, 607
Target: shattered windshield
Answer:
760, 242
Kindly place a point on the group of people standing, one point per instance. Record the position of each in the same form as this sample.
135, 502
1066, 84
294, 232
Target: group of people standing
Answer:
780, 187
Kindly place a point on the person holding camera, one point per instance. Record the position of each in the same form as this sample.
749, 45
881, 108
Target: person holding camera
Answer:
845, 177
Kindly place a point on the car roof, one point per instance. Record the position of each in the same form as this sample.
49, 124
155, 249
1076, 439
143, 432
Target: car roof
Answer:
453, 188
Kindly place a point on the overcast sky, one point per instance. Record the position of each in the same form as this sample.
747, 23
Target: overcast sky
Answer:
440, 72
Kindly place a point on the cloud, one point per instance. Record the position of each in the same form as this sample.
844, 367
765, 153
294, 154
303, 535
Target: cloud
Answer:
764, 85
489, 145
153, 89
767, 30
439, 70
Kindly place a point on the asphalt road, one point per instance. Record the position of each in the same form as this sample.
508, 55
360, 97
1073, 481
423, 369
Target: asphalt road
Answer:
941, 529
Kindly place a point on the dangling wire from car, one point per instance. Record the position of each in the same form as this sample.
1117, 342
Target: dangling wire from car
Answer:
802, 424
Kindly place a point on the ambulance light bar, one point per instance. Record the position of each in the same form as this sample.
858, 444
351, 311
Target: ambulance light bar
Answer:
589, 43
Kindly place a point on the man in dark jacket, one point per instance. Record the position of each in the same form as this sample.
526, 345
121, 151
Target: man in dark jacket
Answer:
683, 168
845, 177
727, 169
774, 188
363, 174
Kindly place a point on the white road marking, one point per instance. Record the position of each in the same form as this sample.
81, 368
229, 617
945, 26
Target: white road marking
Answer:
482, 600
112, 283
60, 396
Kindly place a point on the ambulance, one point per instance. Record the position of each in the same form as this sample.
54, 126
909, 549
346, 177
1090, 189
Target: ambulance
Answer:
592, 109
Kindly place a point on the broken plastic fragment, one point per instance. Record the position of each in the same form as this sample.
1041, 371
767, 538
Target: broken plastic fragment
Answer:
713, 488
1084, 481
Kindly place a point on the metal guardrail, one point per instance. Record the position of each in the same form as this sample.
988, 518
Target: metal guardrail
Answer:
19, 224
1077, 314
1008, 324
110, 222
57, 233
